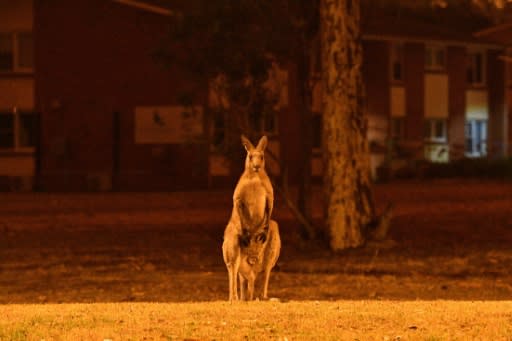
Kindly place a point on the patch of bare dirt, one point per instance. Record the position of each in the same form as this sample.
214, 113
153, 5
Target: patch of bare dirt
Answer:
452, 240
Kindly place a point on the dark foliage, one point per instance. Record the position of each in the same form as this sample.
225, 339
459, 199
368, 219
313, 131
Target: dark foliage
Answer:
240, 41
237, 38
471, 168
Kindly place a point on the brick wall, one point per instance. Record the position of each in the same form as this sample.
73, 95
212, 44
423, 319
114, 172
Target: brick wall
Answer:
94, 58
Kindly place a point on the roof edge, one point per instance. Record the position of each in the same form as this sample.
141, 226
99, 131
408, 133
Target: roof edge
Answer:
493, 29
146, 7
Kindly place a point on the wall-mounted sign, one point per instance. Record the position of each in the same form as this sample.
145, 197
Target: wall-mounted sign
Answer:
168, 124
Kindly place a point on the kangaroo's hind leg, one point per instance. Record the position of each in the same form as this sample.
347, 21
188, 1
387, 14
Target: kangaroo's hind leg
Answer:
232, 276
231, 255
243, 284
272, 251
250, 286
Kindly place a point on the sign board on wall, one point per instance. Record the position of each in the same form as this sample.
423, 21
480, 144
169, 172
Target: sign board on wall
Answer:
168, 124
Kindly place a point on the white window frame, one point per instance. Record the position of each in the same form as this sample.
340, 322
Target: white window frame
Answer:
472, 67
436, 147
476, 152
430, 124
17, 147
432, 63
15, 44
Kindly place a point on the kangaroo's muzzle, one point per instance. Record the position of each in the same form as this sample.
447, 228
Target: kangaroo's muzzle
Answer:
252, 260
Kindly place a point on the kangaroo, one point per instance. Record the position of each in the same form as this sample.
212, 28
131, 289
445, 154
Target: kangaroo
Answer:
253, 199
259, 253
254, 178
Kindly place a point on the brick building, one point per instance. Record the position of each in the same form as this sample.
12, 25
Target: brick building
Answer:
84, 105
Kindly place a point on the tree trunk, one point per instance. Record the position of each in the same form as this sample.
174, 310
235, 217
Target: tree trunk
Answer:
347, 183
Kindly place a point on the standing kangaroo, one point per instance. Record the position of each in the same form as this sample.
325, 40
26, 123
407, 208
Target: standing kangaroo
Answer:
251, 240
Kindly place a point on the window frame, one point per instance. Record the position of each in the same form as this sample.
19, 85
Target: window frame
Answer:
17, 126
396, 56
471, 67
432, 50
475, 141
16, 53
430, 124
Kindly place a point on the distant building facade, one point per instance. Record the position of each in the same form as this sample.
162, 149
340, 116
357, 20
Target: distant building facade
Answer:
84, 106
441, 93
18, 116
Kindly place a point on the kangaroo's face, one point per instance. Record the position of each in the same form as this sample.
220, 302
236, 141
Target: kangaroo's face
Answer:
255, 159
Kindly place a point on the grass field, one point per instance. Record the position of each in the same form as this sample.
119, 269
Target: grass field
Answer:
83, 266
310, 320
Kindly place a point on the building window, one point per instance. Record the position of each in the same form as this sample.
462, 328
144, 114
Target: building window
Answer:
6, 53
436, 148
435, 130
476, 138
6, 130
16, 52
397, 128
18, 130
475, 68
435, 58
397, 62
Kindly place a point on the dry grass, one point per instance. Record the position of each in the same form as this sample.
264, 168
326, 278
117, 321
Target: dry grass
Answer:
339, 320
104, 255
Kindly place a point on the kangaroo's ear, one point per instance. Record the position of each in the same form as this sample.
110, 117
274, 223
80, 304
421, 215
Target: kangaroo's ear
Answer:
246, 143
262, 144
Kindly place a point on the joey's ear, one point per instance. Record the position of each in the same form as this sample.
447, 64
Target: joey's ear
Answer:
262, 144
246, 143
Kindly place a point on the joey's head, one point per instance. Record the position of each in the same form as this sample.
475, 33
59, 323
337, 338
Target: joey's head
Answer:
255, 159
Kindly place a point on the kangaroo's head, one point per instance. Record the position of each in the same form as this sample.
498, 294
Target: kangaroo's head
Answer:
255, 159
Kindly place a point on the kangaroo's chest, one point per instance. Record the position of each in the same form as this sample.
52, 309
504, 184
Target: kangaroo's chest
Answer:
253, 195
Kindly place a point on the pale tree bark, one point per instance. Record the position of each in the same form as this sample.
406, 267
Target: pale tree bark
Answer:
347, 182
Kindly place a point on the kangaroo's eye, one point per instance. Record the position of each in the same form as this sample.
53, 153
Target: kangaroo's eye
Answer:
250, 157
261, 157
262, 237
